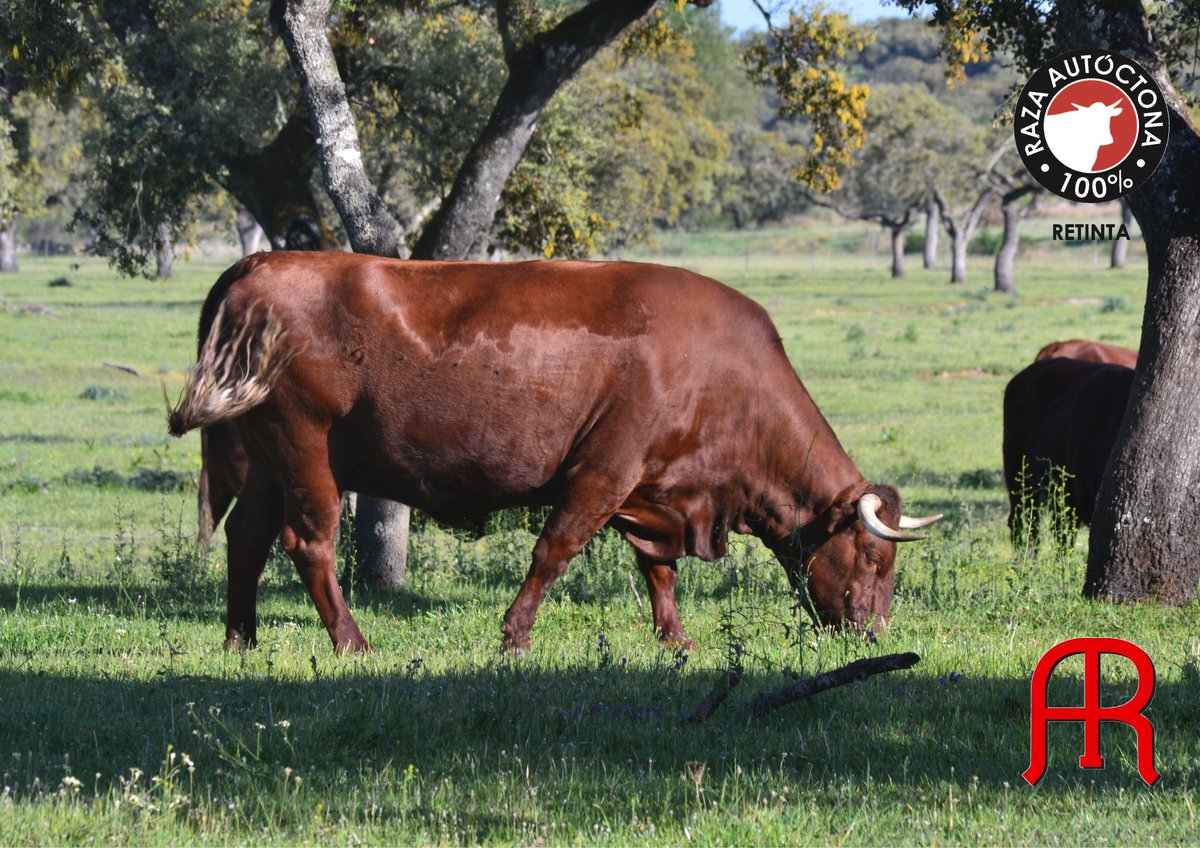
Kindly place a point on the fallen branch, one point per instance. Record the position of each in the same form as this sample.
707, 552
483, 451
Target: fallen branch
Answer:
852, 673
715, 697
126, 368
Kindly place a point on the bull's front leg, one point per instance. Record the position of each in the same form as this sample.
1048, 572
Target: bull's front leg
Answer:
567, 530
660, 584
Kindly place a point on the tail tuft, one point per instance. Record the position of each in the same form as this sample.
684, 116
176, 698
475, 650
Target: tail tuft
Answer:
239, 363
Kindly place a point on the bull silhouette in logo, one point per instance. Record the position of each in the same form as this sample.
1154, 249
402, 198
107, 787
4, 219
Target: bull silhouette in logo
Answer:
1076, 137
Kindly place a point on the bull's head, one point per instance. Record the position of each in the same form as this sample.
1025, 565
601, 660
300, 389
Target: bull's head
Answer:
1102, 113
843, 562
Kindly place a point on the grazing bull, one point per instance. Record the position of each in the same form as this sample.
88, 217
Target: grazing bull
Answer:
1090, 351
1060, 414
647, 398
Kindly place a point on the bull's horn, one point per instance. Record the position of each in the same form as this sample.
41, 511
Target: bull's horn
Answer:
868, 507
1116, 102
907, 523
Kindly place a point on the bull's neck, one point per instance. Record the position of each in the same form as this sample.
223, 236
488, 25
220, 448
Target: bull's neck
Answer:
804, 470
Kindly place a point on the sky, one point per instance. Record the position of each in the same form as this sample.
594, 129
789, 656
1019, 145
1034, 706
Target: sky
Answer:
741, 14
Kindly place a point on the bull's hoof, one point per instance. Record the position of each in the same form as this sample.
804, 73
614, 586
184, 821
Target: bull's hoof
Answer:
515, 644
354, 646
675, 641
236, 642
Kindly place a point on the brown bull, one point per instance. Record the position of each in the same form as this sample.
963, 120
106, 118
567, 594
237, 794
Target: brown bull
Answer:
647, 398
1089, 351
223, 469
1060, 414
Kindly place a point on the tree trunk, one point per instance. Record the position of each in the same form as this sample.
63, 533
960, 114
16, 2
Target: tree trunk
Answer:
933, 225
250, 234
1147, 519
1120, 246
8, 247
1004, 281
164, 252
897, 233
536, 72
382, 526
961, 228
958, 250
274, 186
1006, 256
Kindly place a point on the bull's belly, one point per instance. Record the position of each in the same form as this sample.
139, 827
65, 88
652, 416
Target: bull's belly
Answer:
458, 485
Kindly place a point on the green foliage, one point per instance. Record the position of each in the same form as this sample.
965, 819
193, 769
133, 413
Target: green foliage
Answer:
802, 61
624, 147
909, 135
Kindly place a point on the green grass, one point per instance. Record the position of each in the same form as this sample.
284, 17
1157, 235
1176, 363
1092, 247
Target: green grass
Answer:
111, 669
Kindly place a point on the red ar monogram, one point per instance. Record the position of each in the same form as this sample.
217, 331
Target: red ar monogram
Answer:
1091, 713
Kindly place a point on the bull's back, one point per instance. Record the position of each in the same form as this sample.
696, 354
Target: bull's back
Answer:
1090, 351
474, 379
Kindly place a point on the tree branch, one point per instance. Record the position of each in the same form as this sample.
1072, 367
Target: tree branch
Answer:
852, 673
537, 70
302, 25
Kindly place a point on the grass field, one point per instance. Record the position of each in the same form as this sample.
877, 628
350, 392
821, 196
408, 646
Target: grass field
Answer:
122, 719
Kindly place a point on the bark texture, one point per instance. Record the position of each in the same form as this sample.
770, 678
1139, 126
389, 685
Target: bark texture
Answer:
250, 234
961, 229
8, 247
933, 226
1012, 212
897, 233
1147, 519
164, 252
1120, 248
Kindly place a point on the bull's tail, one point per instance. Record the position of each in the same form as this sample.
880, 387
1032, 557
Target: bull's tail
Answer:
240, 360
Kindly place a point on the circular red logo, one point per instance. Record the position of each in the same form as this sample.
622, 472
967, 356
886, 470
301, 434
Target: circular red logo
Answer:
1091, 125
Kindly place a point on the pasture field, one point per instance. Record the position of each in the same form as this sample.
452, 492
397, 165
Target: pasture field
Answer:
122, 719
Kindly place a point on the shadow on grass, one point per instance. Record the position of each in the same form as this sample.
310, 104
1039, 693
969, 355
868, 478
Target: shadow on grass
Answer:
606, 735
205, 602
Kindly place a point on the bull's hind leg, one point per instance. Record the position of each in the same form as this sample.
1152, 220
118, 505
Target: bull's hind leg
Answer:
567, 530
660, 584
250, 531
310, 525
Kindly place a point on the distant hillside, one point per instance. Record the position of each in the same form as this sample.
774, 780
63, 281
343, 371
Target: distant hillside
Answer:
906, 51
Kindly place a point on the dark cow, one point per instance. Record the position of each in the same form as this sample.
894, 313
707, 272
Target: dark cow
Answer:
1090, 351
1060, 414
647, 398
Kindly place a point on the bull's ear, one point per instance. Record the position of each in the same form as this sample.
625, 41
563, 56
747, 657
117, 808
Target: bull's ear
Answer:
844, 506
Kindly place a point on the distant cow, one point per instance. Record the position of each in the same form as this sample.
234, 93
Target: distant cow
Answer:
1060, 414
1090, 351
647, 398
1075, 138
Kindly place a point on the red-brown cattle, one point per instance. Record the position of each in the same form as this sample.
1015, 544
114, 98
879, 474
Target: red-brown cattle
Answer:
1060, 414
223, 469
647, 398
1089, 351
